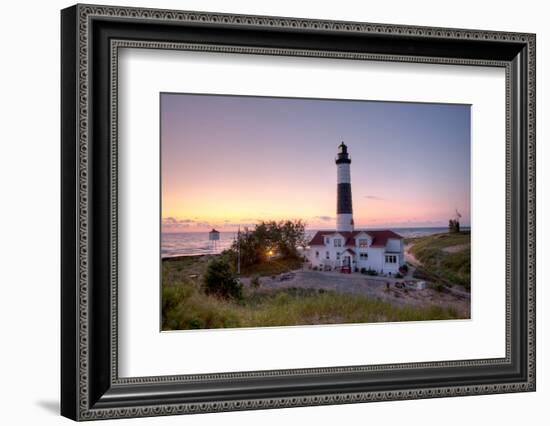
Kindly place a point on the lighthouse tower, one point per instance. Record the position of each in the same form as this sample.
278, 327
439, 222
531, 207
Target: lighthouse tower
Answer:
344, 212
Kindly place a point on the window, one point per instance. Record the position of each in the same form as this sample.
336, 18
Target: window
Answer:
327, 240
327, 255
337, 242
317, 254
363, 256
390, 258
337, 255
363, 242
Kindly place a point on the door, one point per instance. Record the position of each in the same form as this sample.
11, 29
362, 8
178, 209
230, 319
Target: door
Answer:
347, 262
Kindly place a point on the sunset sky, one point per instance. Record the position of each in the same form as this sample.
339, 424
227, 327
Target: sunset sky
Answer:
235, 160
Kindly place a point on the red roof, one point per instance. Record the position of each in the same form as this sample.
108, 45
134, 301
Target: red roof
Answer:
379, 237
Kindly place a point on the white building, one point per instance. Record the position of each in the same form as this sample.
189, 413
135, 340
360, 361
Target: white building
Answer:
348, 249
379, 250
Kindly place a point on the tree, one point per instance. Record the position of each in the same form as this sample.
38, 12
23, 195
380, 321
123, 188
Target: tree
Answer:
252, 247
290, 235
270, 238
220, 280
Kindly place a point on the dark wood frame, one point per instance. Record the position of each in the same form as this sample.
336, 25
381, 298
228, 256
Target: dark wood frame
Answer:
90, 386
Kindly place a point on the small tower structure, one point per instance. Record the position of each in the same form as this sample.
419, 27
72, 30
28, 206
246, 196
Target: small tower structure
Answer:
214, 237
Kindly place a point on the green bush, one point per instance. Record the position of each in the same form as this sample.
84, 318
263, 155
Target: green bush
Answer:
371, 272
439, 287
255, 282
220, 280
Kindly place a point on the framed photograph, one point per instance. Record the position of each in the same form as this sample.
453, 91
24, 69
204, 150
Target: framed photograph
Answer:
263, 212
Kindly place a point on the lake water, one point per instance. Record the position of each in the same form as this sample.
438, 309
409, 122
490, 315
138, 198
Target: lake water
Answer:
193, 243
197, 243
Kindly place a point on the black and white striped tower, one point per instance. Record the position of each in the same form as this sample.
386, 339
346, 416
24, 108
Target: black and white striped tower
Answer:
344, 211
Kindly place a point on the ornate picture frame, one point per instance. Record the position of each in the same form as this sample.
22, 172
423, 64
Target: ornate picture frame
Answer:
91, 37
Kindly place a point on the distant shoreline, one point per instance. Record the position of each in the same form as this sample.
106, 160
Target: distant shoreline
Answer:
408, 239
392, 228
183, 256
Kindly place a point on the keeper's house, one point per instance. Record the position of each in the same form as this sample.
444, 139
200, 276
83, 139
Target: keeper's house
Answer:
381, 251
346, 249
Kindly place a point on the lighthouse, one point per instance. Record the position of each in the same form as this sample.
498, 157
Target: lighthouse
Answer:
346, 249
344, 211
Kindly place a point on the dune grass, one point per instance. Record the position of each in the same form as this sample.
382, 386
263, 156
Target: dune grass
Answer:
272, 267
446, 257
186, 266
186, 306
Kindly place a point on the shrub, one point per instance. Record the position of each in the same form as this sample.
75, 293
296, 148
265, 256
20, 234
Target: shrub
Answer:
398, 275
439, 287
371, 272
255, 282
220, 280
404, 269
363, 270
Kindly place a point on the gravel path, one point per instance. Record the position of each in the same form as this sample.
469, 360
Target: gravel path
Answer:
355, 283
409, 257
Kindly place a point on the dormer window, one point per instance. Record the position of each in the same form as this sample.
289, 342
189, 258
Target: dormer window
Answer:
363, 243
327, 240
337, 242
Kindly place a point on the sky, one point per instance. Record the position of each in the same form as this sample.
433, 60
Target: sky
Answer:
230, 161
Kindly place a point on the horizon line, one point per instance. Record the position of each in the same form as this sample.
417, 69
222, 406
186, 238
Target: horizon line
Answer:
187, 231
